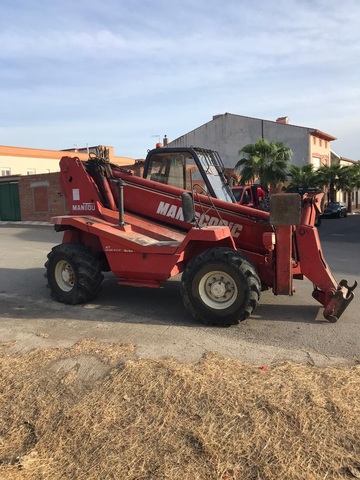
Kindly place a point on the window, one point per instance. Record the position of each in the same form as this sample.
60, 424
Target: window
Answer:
178, 168
320, 142
31, 171
168, 169
5, 171
325, 144
314, 140
316, 162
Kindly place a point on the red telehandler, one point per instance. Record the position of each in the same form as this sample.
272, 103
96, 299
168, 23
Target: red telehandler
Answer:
182, 218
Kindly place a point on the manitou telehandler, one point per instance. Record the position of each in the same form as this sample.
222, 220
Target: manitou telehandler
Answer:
181, 218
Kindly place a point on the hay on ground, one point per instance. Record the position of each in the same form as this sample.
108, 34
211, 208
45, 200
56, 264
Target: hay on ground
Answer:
217, 419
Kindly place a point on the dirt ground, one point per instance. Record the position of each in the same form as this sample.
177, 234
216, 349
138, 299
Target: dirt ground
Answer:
95, 410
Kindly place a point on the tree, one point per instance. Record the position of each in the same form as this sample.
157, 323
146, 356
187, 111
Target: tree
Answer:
302, 177
265, 160
349, 181
357, 178
356, 174
333, 177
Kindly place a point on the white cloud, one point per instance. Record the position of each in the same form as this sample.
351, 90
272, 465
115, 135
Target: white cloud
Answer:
147, 67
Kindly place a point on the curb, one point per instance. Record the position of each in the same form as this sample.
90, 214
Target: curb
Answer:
15, 224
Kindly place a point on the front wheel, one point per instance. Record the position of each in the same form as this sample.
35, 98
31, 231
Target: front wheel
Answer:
220, 287
73, 273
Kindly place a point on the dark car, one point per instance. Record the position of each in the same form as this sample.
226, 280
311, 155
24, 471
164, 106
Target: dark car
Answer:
335, 209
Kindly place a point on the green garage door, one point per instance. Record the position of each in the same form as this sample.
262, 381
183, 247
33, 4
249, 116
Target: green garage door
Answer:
9, 202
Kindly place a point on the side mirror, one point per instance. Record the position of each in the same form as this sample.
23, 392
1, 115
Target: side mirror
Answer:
188, 207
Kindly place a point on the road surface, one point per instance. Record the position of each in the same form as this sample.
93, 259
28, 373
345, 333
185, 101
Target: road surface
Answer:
282, 328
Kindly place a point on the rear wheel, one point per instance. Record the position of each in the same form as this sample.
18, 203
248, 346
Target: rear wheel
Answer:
73, 273
220, 287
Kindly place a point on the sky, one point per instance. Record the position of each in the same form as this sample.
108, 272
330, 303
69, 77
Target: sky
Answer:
127, 72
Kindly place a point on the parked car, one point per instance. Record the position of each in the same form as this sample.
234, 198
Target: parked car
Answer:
335, 209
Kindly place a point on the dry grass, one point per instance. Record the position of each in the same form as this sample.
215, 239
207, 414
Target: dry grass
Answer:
215, 419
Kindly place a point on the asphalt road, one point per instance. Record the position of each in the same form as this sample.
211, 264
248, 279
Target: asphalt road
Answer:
282, 328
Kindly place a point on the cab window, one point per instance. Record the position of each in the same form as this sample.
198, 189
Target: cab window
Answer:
168, 169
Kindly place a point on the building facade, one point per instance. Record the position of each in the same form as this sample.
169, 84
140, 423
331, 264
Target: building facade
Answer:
29, 181
228, 134
30, 161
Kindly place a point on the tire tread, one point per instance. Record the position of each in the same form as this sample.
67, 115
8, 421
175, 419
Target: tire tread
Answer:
231, 258
88, 273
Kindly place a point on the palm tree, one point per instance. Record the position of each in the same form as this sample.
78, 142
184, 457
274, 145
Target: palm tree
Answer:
349, 181
357, 179
331, 176
302, 178
264, 160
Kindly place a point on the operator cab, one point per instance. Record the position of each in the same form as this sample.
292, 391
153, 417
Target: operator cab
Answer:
193, 169
243, 195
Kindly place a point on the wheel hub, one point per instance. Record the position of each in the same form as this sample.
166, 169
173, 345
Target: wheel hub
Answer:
68, 276
218, 289
64, 275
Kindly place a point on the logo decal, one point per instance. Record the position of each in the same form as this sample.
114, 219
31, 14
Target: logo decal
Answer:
84, 207
172, 211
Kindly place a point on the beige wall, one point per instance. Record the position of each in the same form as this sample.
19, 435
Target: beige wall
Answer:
30, 161
28, 165
319, 151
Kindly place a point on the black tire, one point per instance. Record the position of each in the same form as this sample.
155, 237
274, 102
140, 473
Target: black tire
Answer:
73, 273
220, 287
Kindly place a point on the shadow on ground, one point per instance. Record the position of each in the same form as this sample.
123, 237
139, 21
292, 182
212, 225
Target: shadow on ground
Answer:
119, 303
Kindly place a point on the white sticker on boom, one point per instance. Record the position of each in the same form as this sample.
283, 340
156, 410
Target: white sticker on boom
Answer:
76, 194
